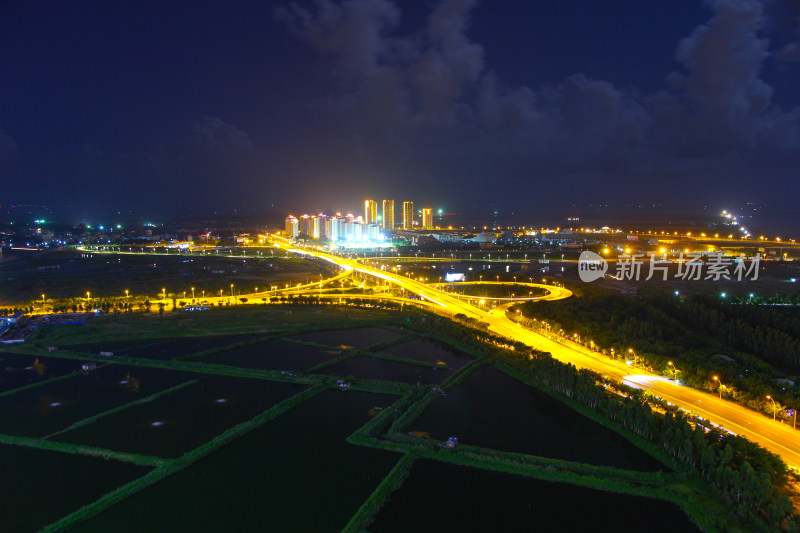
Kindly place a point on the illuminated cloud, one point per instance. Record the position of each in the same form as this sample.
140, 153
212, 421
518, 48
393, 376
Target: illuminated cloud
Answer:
432, 92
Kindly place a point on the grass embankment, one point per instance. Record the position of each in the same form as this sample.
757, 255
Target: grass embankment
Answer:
391, 342
176, 465
282, 334
173, 364
312, 343
47, 381
369, 433
683, 488
420, 398
461, 374
218, 321
232, 346
384, 431
645, 445
134, 403
676, 488
80, 449
369, 510
687, 490
379, 387
407, 361
347, 354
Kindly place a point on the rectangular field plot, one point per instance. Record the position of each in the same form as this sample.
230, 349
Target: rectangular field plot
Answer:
274, 355
179, 421
160, 349
296, 473
364, 367
53, 406
428, 350
17, 370
355, 337
493, 410
442, 497
37, 487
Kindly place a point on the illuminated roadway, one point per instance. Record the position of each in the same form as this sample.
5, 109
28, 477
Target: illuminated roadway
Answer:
777, 437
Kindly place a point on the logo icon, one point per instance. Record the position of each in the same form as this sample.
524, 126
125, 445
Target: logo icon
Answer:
591, 267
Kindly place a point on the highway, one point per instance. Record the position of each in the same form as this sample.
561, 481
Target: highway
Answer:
777, 437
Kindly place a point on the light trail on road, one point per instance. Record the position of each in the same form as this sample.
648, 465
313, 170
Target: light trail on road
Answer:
775, 436
779, 438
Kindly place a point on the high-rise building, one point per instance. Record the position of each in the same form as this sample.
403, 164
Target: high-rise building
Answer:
427, 218
318, 227
292, 227
388, 214
306, 227
408, 215
370, 212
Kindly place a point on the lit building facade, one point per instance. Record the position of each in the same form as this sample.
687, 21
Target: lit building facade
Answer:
318, 226
292, 227
370, 212
388, 215
305, 226
408, 215
349, 231
427, 218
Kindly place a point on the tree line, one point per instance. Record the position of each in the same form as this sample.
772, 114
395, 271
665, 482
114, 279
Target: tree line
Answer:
746, 476
748, 346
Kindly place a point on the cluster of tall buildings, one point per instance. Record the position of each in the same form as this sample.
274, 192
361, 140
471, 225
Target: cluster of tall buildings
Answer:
349, 228
336, 228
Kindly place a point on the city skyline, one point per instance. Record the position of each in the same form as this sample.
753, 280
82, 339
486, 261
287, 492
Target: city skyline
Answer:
367, 228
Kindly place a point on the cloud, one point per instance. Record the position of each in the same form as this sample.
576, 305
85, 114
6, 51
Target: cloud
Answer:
790, 53
8, 146
722, 92
431, 92
449, 62
404, 80
212, 135
352, 32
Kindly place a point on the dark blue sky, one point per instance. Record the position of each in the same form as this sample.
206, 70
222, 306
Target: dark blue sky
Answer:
167, 107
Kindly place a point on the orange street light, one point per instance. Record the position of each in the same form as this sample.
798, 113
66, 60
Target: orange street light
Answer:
674, 370
774, 407
720, 386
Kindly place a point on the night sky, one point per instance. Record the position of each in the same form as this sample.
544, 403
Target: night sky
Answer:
158, 108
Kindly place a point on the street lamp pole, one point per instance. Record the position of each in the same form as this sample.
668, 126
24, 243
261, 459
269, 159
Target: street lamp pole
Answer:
720, 386
774, 407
